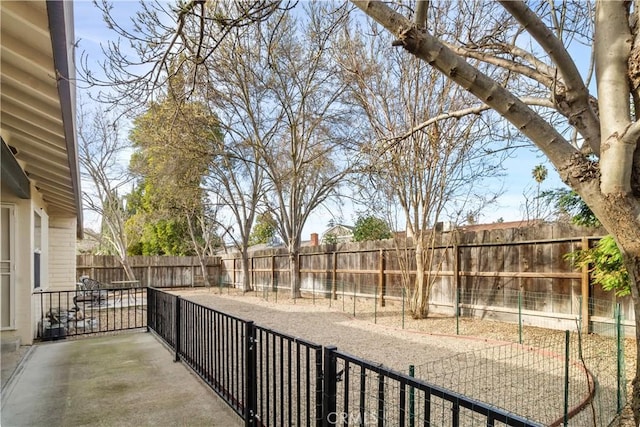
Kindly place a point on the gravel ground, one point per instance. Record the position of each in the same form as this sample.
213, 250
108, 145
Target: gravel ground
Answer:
483, 363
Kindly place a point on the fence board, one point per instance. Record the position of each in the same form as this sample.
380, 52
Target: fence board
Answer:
494, 266
157, 271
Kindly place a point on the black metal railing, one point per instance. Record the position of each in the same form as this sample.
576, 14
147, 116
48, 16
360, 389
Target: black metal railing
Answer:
83, 312
266, 377
214, 345
161, 310
273, 379
373, 395
288, 379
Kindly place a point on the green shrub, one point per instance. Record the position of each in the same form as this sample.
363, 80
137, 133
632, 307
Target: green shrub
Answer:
605, 264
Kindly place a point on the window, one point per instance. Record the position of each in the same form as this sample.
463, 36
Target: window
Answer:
37, 248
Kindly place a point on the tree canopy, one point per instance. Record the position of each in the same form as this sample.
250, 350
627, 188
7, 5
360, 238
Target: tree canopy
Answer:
264, 230
371, 228
174, 145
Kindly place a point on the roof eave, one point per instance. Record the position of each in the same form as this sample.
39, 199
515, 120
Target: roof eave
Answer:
61, 28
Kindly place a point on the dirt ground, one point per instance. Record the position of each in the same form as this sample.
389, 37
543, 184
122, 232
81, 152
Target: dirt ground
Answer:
481, 361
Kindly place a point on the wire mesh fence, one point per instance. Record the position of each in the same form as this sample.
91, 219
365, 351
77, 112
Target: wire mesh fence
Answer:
367, 394
545, 374
564, 374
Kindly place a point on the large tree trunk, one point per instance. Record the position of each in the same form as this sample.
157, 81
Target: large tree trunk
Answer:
246, 273
124, 260
420, 300
294, 270
631, 252
620, 215
204, 270
617, 205
635, 396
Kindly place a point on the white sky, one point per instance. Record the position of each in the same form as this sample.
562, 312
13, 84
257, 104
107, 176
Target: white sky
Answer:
91, 30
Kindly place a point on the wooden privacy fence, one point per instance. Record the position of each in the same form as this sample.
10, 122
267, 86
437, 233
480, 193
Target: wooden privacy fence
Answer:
156, 271
493, 280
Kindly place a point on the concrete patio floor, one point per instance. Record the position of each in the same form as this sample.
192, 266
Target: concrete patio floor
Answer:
128, 379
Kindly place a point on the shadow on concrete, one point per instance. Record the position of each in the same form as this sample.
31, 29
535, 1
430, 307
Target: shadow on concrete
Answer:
128, 379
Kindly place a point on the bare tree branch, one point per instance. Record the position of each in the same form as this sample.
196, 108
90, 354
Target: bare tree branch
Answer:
575, 102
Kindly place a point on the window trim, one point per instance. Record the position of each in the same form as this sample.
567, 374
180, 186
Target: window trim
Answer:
12, 266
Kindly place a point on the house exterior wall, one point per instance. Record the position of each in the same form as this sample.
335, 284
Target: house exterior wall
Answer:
62, 253
24, 314
55, 240
43, 234
340, 233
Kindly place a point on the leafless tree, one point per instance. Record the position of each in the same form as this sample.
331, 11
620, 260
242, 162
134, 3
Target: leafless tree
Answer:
203, 229
430, 150
162, 40
310, 151
238, 96
302, 127
100, 149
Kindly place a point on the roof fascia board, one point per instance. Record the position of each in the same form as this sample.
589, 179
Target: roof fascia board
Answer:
60, 15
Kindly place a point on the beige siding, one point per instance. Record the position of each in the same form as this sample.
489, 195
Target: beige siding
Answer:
62, 253
23, 271
24, 234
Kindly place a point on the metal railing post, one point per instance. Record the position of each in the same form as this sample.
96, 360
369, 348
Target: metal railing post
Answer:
149, 305
250, 386
319, 387
457, 311
520, 316
330, 386
619, 358
375, 307
354, 300
403, 297
176, 323
381, 400
412, 399
567, 338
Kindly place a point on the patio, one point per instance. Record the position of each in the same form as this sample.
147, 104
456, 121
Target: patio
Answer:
118, 380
